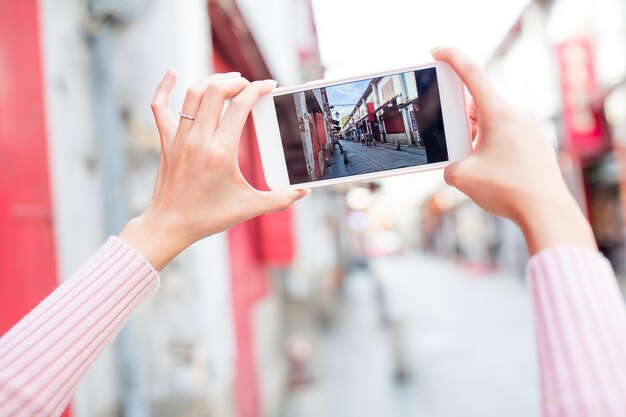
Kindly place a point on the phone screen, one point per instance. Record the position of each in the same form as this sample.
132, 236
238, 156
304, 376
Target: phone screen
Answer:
363, 126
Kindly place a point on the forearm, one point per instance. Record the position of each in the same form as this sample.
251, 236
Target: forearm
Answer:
157, 238
580, 317
581, 333
551, 220
43, 357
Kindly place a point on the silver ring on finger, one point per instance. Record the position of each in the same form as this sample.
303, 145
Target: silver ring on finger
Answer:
186, 116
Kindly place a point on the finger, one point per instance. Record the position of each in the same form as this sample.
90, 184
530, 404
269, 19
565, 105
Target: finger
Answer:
194, 97
471, 112
472, 74
166, 124
212, 104
272, 201
471, 109
231, 125
451, 174
475, 129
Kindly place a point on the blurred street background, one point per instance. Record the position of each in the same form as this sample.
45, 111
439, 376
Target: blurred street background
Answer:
393, 298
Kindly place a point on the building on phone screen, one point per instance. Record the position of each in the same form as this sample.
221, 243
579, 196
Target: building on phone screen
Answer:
388, 111
317, 130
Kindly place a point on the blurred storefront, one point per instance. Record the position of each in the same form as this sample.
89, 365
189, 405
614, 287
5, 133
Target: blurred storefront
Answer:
450, 225
213, 340
575, 55
565, 60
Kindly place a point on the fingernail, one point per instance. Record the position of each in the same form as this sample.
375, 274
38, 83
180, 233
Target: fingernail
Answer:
234, 74
303, 193
435, 50
270, 83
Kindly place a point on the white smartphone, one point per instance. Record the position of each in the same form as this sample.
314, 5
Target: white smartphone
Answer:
361, 128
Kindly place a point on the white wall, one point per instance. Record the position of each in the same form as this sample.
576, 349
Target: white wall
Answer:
75, 179
527, 75
274, 27
271, 367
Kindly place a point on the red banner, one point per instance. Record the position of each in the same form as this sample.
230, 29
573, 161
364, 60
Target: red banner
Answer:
370, 112
578, 83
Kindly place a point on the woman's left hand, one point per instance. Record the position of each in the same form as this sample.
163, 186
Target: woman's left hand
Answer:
199, 188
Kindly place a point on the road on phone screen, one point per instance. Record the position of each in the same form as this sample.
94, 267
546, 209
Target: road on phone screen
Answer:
363, 159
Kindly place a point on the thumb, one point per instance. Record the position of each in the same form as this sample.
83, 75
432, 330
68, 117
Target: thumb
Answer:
473, 75
452, 173
280, 200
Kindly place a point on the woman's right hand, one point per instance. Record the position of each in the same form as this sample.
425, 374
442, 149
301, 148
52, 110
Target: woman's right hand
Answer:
513, 171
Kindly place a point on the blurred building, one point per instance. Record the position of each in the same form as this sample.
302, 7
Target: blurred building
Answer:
565, 60
451, 225
79, 152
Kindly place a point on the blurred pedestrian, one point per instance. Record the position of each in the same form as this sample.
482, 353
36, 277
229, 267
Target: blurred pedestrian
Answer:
199, 190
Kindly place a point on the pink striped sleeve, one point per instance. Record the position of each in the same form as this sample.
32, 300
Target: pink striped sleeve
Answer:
44, 356
580, 322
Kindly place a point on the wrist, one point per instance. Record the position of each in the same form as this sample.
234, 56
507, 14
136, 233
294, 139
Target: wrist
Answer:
555, 221
155, 238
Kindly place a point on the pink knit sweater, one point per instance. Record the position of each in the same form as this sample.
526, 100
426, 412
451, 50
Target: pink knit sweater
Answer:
579, 314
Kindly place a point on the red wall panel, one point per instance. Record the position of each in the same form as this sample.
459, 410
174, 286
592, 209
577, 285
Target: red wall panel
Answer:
27, 258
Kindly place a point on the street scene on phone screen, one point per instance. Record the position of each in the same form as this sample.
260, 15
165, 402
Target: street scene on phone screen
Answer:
364, 126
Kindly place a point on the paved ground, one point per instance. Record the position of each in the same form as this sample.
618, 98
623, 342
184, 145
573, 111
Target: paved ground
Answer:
364, 160
467, 342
